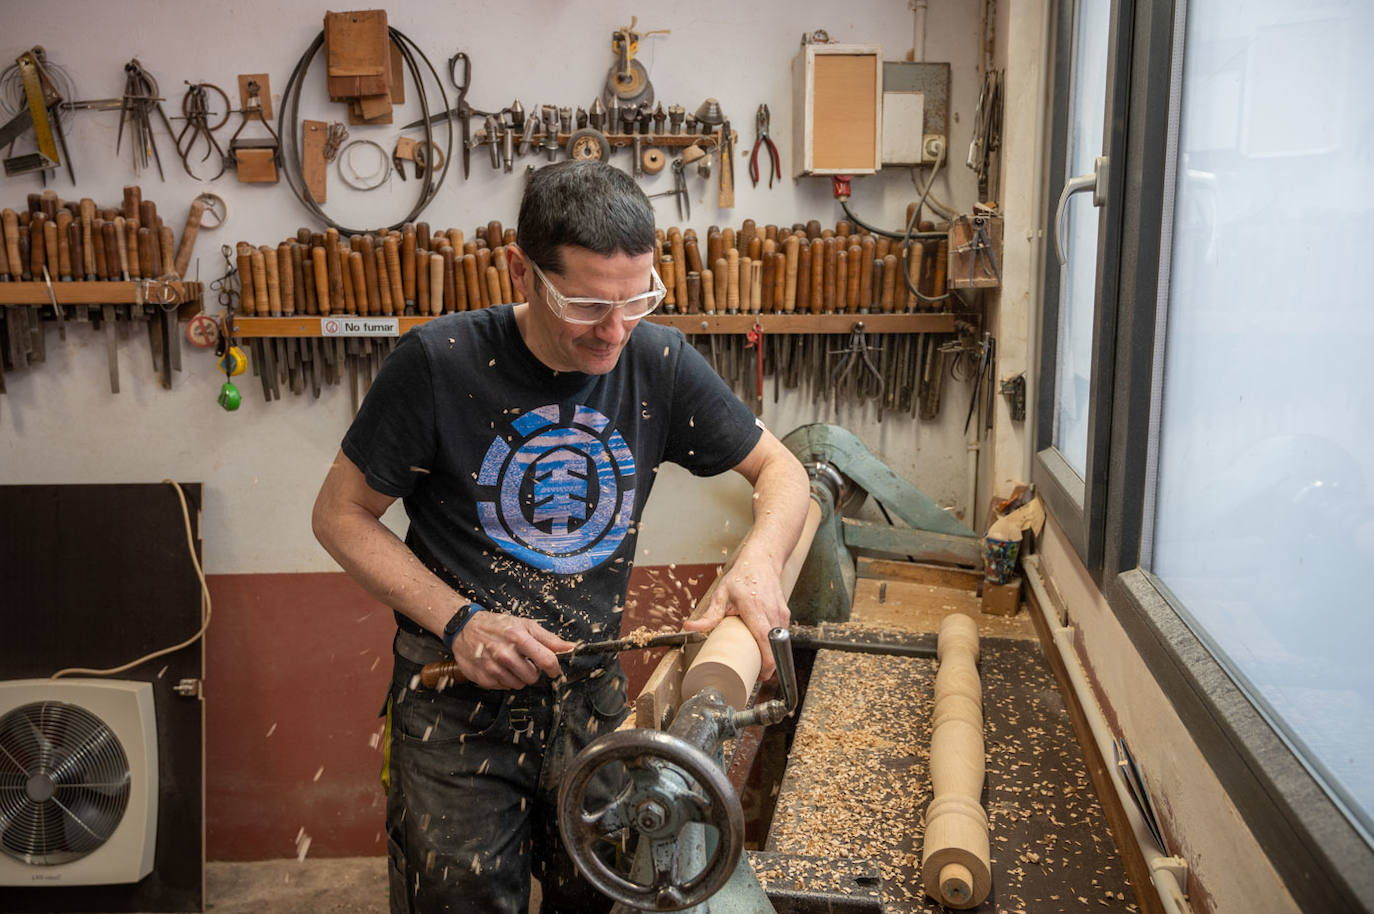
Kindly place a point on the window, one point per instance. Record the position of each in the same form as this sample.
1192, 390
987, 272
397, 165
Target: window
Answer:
1222, 486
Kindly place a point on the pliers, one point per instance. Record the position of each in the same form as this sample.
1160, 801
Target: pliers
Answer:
761, 121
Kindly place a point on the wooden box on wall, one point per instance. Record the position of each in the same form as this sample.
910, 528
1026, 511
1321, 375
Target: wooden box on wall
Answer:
838, 113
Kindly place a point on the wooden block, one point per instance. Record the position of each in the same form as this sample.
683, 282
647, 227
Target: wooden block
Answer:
358, 61
919, 573
1002, 599
257, 166
264, 92
372, 107
969, 269
662, 694
355, 115
313, 166
398, 81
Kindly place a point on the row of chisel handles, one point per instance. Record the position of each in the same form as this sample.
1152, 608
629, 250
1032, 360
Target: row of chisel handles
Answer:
802, 269
77, 240
415, 271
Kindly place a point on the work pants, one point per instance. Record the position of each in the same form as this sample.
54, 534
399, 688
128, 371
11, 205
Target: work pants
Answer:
472, 803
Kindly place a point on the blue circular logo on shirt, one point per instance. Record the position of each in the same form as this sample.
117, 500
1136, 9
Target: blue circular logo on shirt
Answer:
561, 494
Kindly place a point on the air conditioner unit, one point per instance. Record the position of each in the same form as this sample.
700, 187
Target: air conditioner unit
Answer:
78, 782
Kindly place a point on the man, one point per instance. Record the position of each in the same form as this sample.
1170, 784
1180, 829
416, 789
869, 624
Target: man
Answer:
523, 441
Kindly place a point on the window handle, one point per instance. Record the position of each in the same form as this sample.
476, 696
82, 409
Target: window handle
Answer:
1096, 182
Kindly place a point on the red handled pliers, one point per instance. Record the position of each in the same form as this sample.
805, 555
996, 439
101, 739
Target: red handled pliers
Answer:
761, 120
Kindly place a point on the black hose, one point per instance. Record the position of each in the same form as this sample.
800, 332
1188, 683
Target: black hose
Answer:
290, 102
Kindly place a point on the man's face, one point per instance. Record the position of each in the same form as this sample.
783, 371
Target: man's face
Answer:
588, 348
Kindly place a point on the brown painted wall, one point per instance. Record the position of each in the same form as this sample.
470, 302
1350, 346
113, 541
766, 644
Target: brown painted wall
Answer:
296, 670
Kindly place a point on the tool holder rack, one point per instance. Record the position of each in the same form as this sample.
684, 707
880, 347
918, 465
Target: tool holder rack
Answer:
709, 324
98, 292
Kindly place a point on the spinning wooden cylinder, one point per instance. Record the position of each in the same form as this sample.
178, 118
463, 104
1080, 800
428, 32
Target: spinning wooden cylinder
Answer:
955, 859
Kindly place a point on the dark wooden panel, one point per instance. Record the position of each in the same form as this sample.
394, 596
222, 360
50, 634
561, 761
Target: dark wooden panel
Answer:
97, 576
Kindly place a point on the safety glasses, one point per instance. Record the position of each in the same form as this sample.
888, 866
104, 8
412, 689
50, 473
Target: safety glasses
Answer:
594, 310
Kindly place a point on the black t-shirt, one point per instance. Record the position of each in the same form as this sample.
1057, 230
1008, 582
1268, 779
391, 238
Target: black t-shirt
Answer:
523, 485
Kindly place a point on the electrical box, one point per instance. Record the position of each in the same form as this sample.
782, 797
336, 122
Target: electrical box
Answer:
838, 114
915, 112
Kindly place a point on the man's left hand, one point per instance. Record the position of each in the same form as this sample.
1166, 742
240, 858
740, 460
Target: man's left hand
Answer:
752, 591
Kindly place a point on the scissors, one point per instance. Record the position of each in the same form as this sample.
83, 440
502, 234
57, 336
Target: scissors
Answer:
462, 110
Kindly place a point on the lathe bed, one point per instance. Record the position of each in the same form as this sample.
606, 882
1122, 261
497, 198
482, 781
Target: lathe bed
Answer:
856, 783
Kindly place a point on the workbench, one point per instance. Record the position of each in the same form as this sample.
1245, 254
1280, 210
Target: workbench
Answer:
856, 784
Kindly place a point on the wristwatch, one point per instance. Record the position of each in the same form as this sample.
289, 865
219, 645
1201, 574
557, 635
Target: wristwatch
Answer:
456, 623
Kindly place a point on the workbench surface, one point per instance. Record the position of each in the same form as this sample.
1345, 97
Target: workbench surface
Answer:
857, 781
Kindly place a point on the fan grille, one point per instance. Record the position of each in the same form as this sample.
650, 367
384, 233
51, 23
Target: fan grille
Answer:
64, 783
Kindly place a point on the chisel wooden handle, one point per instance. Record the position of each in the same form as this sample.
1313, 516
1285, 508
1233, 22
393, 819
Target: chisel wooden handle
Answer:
889, 283
436, 281
842, 300
746, 235
335, 269
867, 249
693, 252
384, 282
38, 244
715, 245
883, 247
188, 236
803, 303
260, 292
10, 220
693, 292
148, 217
121, 227
471, 286
816, 277
876, 270
270, 273
374, 281
452, 277
286, 278
55, 249
679, 249
789, 289
493, 286
87, 239
731, 272
359, 276
495, 235
301, 292
856, 271
392, 247
746, 276
941, 262
350, 300
320, 264
247, 300
133, 200
106, 251
421, 278
408, 281
422, 239
755, 286
166, 249
147, 254
77, 254
499, 261
455, 240
667, 271
483, 255
770, 304
708, 291
779, 289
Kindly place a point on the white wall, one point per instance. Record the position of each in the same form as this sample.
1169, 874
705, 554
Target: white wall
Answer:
261, 465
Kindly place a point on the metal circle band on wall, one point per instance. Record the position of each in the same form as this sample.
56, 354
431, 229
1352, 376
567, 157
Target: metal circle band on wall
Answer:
560, 494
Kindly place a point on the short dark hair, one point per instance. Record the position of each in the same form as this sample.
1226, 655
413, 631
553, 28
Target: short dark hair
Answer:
585, 203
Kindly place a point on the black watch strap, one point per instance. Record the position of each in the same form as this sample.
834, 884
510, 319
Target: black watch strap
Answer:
457, 621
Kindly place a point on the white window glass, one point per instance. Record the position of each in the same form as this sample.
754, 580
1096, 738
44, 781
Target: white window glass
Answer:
1077, 277
1264, 511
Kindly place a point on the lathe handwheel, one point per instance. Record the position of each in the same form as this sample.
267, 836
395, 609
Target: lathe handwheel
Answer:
719, 808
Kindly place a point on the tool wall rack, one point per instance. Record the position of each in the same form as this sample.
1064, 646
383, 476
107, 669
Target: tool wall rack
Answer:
83, 292
691, 324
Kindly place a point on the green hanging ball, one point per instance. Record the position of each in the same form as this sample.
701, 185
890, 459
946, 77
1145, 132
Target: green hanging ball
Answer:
229, 397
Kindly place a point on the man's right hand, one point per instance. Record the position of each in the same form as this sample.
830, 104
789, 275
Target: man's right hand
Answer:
500, 651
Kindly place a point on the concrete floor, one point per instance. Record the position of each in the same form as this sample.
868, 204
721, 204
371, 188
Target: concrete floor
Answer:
342, 885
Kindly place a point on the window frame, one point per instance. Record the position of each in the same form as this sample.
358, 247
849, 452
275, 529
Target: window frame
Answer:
1319, 854
1079, 505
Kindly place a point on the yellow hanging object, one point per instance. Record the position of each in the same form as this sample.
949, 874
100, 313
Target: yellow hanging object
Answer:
233, 362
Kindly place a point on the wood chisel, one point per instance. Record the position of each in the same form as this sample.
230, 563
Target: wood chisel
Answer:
447, 672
